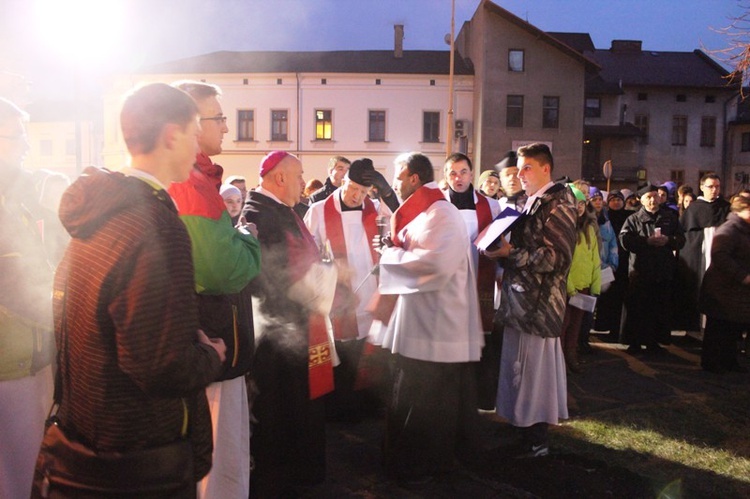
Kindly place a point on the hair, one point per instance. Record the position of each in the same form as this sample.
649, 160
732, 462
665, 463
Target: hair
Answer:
684, 189
580, 183
198, 90
420, 165
539, 152
708, 176
311, 186
148, 109
332, 162
455, 158
9, 111
740, 203
588, 219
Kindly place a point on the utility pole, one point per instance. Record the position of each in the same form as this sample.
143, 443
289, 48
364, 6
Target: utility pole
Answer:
449, 128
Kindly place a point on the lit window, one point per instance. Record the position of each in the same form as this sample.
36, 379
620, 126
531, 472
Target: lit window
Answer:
323, 125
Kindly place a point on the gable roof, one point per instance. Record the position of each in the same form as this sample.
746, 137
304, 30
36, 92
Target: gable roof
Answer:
662, 69
341, 61
538, 33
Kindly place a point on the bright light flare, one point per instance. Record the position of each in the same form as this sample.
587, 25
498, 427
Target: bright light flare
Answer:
80, 31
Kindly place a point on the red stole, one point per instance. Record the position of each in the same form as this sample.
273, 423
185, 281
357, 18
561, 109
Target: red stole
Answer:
415, 204
344, 312
302, 253
487, 269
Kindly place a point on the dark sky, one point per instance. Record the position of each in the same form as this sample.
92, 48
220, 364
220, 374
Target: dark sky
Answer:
120, 35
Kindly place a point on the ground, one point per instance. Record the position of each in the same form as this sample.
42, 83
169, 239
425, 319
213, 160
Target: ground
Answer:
665, 400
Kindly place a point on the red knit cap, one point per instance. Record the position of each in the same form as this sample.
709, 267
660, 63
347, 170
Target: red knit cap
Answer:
272, 159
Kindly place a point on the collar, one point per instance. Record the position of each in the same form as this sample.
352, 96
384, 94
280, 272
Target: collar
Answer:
538, 194
270, 194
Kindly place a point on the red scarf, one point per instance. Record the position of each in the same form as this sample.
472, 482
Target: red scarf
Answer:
487, 269
344, 313
302, 254
415, 204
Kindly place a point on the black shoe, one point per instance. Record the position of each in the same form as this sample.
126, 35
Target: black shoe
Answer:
634, 349
655, 349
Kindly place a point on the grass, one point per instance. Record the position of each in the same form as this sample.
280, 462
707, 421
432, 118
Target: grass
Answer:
691, 446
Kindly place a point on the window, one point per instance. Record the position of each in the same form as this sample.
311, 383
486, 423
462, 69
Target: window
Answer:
279, 125
745, 145
550, 112
377, 126
45, 147
515, 60
514, 111
431, 126
642, 96
377, 81
641, 122
246, 124
432, 83
593, 107
323, 124
279, 81
244, 81
681, 98
679, 130
710, 99
323, 81
677, 176
708, 131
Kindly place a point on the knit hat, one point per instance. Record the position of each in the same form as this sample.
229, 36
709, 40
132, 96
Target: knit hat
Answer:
272, 159
487, 174
358, 170
616, 194
510, 159
228, 190
626, 193
594, 192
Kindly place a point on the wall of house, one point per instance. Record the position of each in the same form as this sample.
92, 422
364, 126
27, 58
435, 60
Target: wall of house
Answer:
547, 72
349, 97
52, 146
660, 156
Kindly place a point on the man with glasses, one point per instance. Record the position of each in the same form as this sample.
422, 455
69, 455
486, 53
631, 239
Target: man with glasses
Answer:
226, 260
699, 221
25, 311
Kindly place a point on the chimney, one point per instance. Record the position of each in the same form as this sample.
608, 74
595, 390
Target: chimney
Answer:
398, 49
633, 46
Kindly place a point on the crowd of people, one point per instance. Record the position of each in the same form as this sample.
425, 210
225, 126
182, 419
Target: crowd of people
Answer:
201, 332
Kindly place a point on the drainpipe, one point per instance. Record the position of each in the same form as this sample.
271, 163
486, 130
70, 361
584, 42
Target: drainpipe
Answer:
299, 118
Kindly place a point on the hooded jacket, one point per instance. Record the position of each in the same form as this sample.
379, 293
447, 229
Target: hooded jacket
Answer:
126, 318
536, 271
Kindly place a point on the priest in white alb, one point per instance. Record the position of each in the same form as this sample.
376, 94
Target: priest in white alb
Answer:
434, 329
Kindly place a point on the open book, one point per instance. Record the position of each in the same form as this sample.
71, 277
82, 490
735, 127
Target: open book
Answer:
497, 228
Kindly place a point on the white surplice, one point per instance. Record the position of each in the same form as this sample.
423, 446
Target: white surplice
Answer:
359, 257
437, 313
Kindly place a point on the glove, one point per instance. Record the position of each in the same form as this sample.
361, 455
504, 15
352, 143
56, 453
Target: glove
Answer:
378, 180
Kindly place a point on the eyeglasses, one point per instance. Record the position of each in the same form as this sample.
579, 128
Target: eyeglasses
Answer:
217, 119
